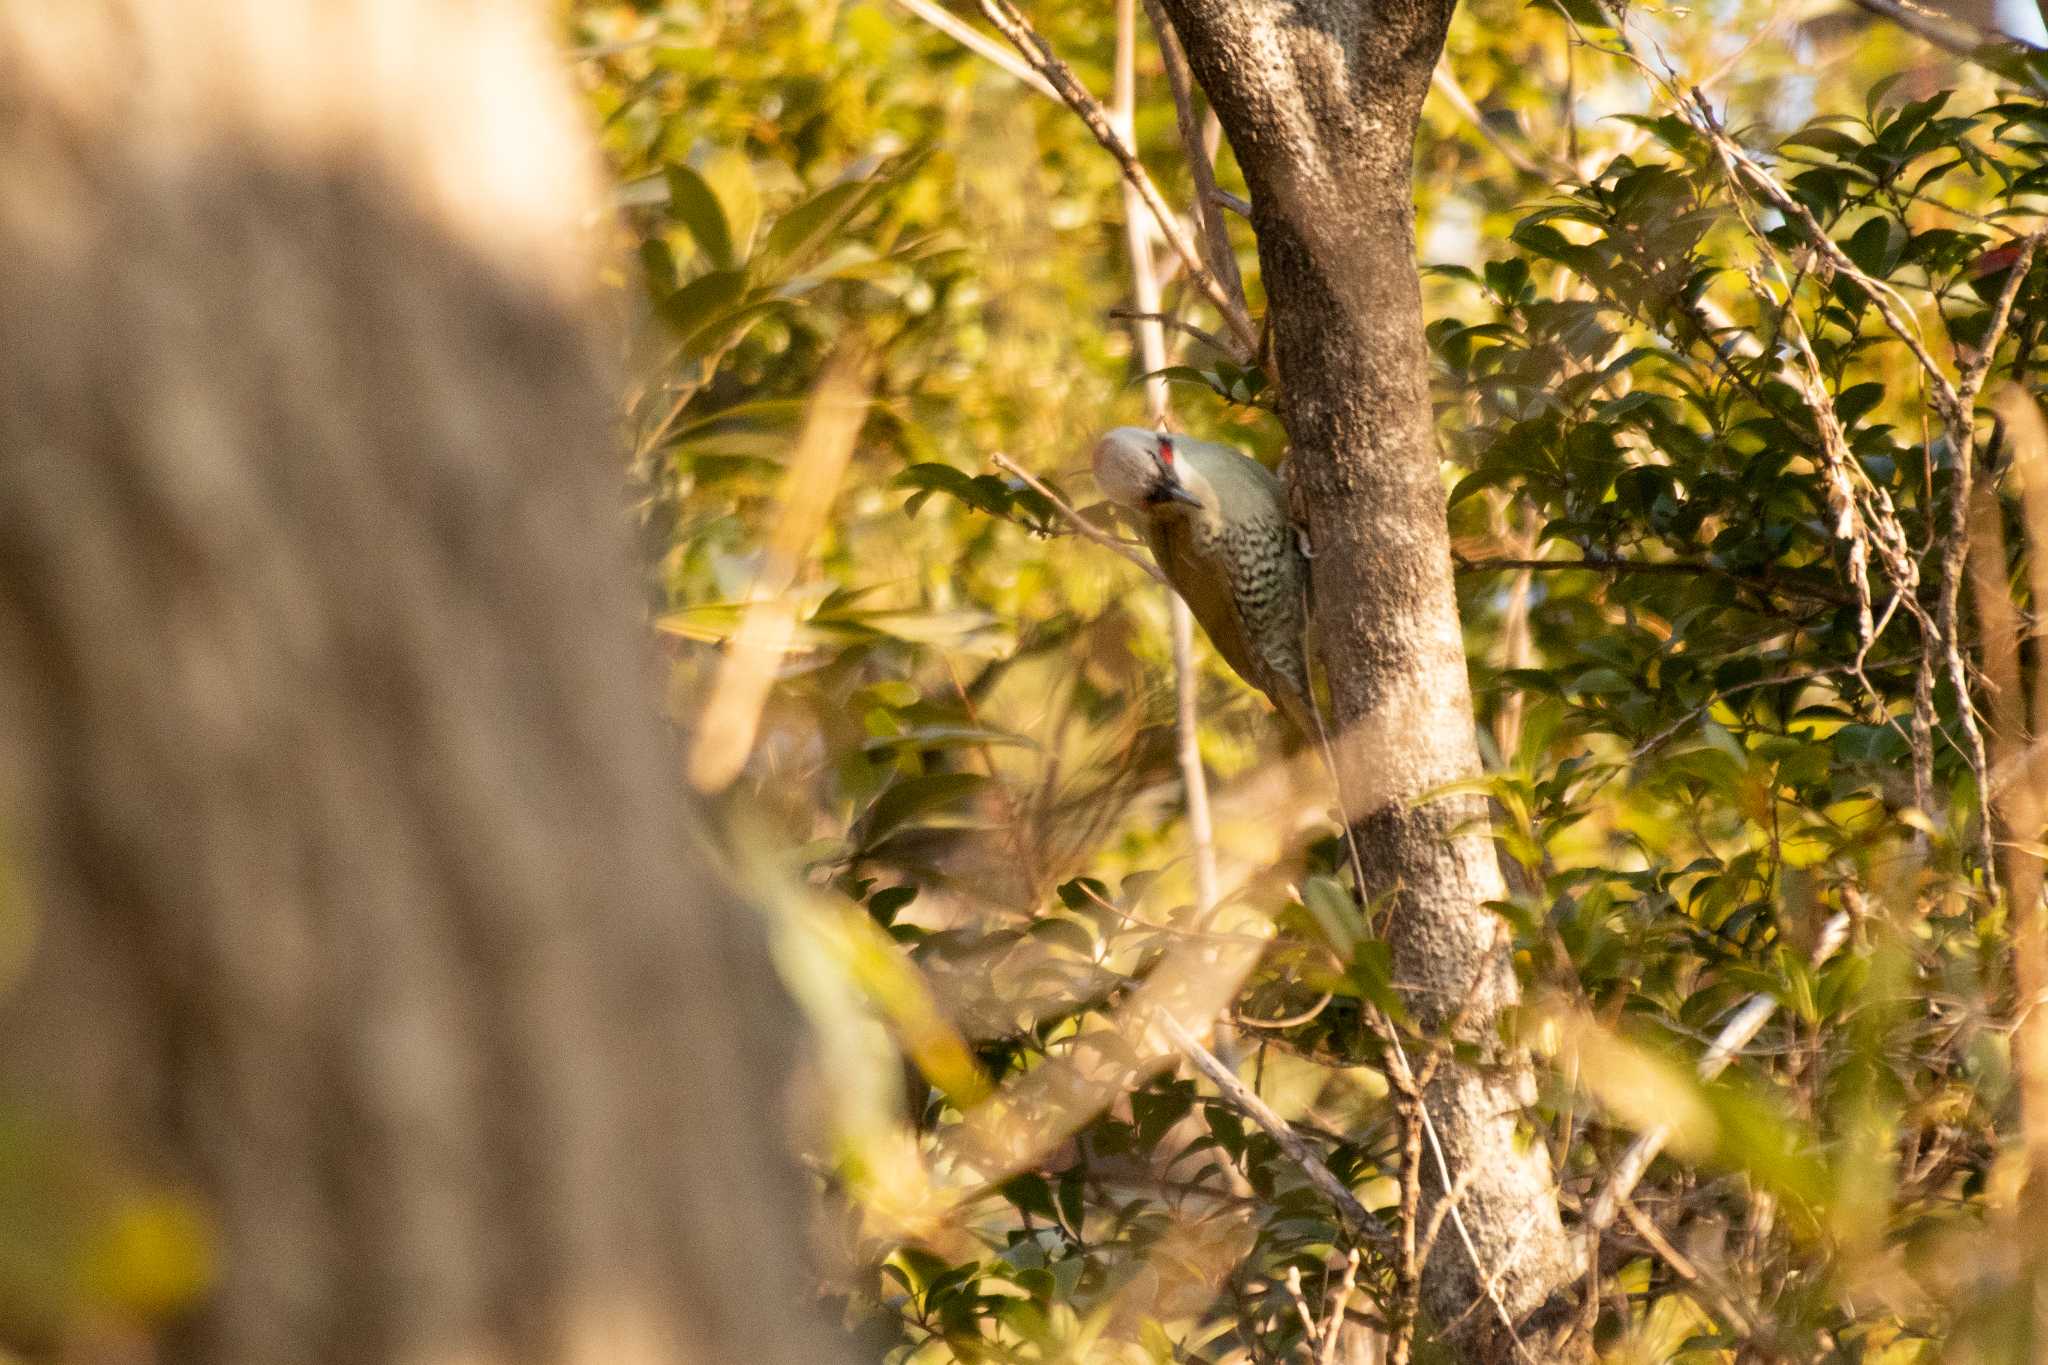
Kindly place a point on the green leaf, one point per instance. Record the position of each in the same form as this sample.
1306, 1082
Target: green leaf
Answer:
948, 736
694, 204
700, 303
1030, 1193
798, 234
1372, 973
1833, 141
1073, 895
1226, 1127
1585, 13
1335, 914
1877, 92
731, 177
1073, 1195
912, 797
660, 264
889, 902
1876, 245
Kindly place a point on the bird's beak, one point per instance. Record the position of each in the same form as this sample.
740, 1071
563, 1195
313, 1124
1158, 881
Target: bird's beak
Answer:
1173, 491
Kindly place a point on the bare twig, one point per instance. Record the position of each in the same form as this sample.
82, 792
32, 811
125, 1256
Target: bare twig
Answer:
1952, 35
1152, 351
1690, 103
1149, 333
1082, 526
1240, 1097
1226, 200
1445, 1207
971, 38
1740, 166
1291, 1020
1710, 1286
1311, 1331
1682, 568
1333, 1321
1736, 1034
1222, 258
1209, 339
1956, 544
1548, 170
1403, 1077
1657, 740
1010, 21
1188, 751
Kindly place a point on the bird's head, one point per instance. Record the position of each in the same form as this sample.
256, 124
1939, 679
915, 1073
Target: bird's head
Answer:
1140, 470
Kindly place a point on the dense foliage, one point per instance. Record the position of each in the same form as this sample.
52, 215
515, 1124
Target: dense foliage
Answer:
1709, 297
1706, 499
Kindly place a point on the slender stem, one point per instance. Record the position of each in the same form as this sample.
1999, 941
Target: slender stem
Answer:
1222, 258
1152, 351
1082, 526
1956, 545
1039, 54
1240, 1097
1547, 170
971, 38
1952, 35
1734, 1036
1689, 568
1208, 339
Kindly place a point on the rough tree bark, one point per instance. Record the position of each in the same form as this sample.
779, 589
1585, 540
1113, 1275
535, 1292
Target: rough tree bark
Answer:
1320, 99
368, 905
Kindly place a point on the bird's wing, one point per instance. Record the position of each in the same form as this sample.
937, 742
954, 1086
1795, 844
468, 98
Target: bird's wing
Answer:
1207, 592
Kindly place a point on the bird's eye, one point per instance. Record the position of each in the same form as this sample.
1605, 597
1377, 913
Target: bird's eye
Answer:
1165, 450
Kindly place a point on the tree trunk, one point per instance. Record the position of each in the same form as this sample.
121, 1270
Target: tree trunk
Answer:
367, 906
1320, 99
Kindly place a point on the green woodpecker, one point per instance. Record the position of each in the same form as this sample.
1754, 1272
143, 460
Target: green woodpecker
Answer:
1217, 523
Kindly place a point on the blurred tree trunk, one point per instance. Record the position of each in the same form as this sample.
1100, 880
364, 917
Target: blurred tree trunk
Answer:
1320, 99
367, 905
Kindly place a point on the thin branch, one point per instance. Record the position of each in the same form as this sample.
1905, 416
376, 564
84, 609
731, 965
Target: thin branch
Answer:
1954, 551
1691, 105
1290, 1020
1039, 54
1082, 526
1311, 1331
971, 38
1425, 1246
1241, 1098
1209, 339
1657, 740
1954, 36
1733, 1037
1402, 1076
1741, 166
1188, 751
1222, 258
1123, 114
1226, 200
1687, 568
1711, 1287
1151, 337
1972, 381
1333, 1321
1548, 170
